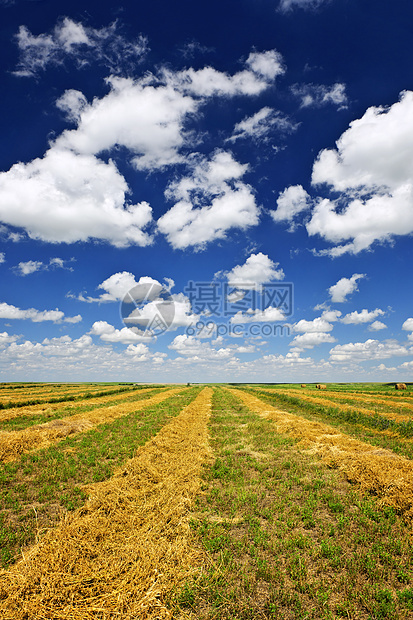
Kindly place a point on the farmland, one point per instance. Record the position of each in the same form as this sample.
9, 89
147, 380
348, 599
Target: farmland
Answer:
212, 502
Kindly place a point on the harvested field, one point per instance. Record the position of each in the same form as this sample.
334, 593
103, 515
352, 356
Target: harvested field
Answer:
381, 472
13, 444
209, 504
88, 568
47, 408
402, 415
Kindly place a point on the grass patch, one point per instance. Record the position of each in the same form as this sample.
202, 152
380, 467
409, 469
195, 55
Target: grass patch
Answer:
287, 537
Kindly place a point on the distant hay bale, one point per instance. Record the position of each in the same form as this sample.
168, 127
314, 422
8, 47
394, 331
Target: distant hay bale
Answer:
400, 386
321, 386
303, 385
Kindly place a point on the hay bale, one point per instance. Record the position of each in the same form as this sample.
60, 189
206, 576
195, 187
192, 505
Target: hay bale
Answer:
400, 386
303, 385
321, 386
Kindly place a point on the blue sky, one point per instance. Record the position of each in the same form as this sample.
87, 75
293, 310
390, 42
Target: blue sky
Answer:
206, 160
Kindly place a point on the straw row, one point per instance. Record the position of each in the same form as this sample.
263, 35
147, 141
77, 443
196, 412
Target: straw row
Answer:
377, 471
122, 553
328, 401
15, 443
399, 404
61, 391
42, 408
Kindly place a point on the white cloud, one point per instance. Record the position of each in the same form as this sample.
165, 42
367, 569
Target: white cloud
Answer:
197, 350
2, 257
372, 168
260, 125
269, 315
31, 266
126, 335
287, 5
262, 69
368, 350
320, 324
6, 339
309, 340
358, 318
82, 44
318, 95
66, 198
408, 325
331, 315
291, 201
210, 202
376, 326
257, 269
121, 283
173, 312
72, 195
344, 287
8, 311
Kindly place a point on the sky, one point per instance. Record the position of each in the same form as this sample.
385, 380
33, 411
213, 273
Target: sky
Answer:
194, 192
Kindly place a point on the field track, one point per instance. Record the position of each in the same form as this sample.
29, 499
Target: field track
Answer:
15, 443
120, 555
377, 471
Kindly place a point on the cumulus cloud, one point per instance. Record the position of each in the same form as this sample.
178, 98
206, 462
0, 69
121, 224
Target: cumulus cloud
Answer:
309, 340
126, 335
121, 283
292, 201
197, 350
358, 318
319, 95
257, 269
6, 339
344, 287
67, 197
372, 169
260, 125
2, 257
8, 311
268, 315
376, 326
408, 325
320, 324
82, 44
72, 194
368, 350
210, 202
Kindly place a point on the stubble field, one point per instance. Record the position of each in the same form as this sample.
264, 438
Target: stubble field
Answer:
208, 502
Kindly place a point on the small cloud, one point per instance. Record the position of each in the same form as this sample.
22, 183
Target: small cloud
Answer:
377, 326
344, 287
318, 95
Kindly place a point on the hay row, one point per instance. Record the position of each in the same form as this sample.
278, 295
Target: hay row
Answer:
129, 546
329, 401
373, 400
59, 392
15, 443
377, 471
30, 410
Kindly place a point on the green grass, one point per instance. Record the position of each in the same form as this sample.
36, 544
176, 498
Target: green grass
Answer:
36, 489
287, 537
